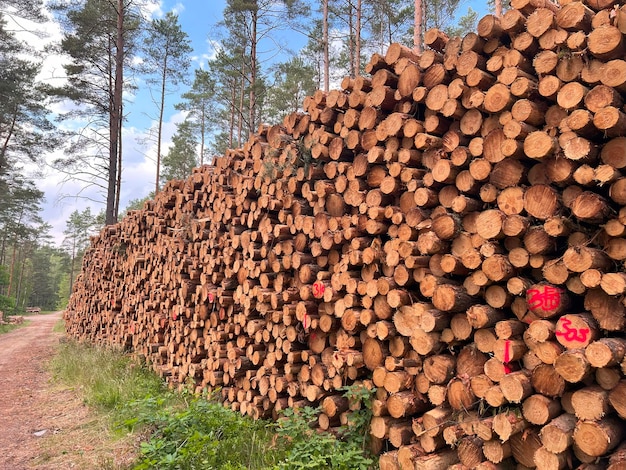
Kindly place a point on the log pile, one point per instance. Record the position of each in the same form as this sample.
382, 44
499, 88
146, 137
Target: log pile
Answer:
449, 229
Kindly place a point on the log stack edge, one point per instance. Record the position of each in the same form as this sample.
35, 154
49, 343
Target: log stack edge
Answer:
449, 229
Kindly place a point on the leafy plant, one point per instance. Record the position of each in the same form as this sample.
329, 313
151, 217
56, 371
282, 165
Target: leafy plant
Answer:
202, 434
309, 448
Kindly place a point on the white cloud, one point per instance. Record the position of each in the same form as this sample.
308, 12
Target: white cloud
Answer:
178, 8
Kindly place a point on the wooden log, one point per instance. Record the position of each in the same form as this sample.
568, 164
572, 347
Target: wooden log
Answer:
557, 435
606, 43
539, 409
596, 438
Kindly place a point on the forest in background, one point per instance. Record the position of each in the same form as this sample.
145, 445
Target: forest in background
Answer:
111, 48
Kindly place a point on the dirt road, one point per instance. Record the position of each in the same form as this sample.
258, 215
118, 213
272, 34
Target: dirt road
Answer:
43, 425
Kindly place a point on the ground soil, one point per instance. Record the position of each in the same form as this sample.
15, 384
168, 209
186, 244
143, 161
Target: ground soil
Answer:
43, 424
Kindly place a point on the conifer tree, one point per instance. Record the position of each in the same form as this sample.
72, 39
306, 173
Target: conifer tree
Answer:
167, 52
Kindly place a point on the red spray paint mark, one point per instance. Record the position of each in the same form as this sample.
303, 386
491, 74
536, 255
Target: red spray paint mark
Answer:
211, 297
507, 351
572, 334
507, 356
547, 298
318, 289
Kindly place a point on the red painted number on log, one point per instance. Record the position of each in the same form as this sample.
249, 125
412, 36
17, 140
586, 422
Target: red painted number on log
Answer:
318, 289
572, 334
211, 297
507, 350
507, 356
546, 299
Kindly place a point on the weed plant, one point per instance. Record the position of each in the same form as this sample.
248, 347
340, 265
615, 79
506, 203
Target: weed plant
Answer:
201, 435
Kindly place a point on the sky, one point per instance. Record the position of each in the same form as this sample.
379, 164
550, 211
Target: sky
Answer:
198, 18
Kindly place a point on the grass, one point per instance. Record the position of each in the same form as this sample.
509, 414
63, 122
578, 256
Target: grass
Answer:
9, 327
107, 378
173, 430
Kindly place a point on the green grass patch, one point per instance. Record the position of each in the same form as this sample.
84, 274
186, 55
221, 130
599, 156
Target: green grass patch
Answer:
107, 378
59, 327
10, 327
181, 431
202, 434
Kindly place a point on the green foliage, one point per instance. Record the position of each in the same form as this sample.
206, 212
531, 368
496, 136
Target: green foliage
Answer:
293, 81
63, 292
188, 432
309, 448
137, 204
200, 104
49, 266
7, 304
4, 275
388, 21
466, 24
9, 327
26, 132
202, 434
181, 159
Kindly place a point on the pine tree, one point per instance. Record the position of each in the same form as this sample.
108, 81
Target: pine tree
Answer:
181, 158
77, 232
166, 60
293, 81
201, 107
98, 39
26, 132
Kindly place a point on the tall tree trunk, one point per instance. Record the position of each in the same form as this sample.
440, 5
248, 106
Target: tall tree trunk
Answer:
11, 268
119, 162
114, 116
160, 124
3, 250
417, 28
325, 46
72, 262
498, 8
231, 123
19, 295
5, 145
202, 131
253, 66
357, 48
241, 102
351, 40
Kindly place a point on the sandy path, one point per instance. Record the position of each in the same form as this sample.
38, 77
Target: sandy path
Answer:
41, 424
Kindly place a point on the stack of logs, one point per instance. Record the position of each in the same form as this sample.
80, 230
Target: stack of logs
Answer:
449, 230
